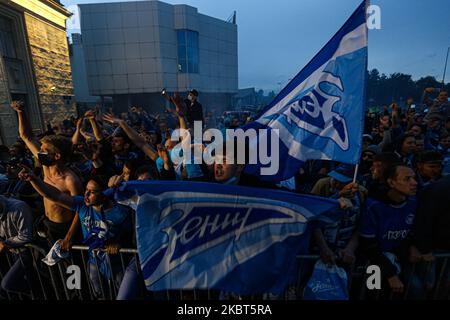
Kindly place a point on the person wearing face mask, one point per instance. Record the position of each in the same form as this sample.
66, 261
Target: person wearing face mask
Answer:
53, 153
194, 108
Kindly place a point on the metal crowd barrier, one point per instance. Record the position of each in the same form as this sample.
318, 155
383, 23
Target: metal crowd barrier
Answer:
49, 283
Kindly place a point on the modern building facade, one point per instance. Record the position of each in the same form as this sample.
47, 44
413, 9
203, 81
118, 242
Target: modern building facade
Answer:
135, 49
79, 74
34, 64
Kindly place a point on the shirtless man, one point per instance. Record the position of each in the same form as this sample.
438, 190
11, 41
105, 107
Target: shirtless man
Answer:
52, 152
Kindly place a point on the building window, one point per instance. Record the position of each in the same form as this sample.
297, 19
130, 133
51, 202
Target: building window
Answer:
188, 53
7, 47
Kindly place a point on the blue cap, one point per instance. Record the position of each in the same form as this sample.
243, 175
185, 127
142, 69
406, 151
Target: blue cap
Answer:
343, 173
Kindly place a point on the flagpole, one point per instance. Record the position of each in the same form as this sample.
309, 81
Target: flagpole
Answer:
356, 173
367, 4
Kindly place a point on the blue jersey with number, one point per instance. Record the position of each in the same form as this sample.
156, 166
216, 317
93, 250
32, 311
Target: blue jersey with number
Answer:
389, 224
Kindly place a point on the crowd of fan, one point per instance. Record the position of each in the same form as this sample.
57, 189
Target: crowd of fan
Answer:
396, 215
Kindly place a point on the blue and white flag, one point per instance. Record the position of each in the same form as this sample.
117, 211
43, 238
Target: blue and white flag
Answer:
320, 113
195, 235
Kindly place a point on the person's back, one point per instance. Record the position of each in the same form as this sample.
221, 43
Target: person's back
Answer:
195, 109
16, 230
16, 222
432, 224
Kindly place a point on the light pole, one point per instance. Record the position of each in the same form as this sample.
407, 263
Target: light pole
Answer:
445, 68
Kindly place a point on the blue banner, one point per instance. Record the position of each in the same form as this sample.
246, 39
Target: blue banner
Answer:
320, 113
195, 235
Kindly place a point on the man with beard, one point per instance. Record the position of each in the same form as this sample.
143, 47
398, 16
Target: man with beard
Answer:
366, 163
377, 184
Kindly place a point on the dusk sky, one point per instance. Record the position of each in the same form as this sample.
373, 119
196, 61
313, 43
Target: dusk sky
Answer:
278, 37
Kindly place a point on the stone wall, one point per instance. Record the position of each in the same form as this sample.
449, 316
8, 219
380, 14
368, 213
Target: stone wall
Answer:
51, 66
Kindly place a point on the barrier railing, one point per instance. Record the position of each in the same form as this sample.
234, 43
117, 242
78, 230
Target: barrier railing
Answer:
102, 275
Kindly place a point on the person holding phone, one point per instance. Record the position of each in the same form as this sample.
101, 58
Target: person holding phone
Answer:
438, 105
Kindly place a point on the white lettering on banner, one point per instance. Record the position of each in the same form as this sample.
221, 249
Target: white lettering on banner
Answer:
198, 226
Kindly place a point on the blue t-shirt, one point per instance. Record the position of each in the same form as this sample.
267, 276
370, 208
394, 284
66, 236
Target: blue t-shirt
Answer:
387, 223
114, 221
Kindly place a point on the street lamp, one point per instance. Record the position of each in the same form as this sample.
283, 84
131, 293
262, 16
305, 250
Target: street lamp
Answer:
445, 68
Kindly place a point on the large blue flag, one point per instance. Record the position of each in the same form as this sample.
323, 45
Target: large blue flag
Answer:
194, 235
320, 113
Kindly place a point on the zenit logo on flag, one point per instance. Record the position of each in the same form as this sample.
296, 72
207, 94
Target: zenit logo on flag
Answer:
211, 236
320, 114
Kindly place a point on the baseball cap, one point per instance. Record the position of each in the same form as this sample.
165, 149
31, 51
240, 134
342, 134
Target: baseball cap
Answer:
194, 92
343, 173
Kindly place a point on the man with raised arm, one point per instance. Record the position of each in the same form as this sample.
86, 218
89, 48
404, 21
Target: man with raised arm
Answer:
52, 153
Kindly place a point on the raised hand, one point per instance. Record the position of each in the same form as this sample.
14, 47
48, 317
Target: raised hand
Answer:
26, 174
109, 117
395, 109
90, 114
115, 181
18, 106
163, 154
180, 106
80, 123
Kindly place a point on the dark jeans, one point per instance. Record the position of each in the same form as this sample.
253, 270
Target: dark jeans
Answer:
132, 286
19, 276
